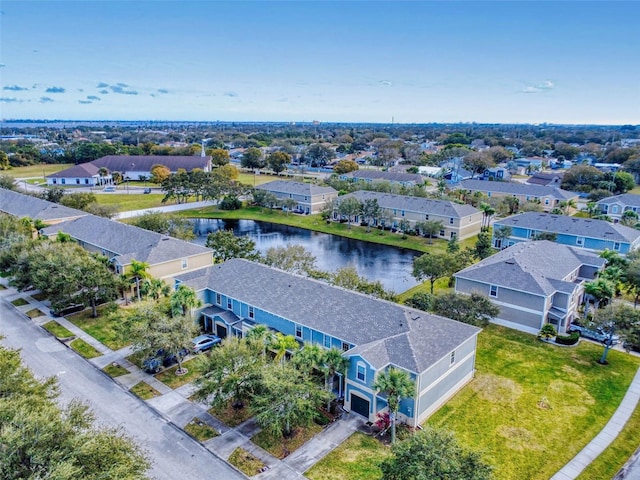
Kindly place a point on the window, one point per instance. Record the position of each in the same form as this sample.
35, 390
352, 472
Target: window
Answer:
614, 209
546, 201
402, 213
86, 181
229, 304
453, 235
580, 241
488, 194
63, 181
77, 181
426, 217
442, 233
298, 331
450, 220
326, 341
493, 290
452, 358
345, 346
532, 233
616, 246
218, 299
361, 372
251, 312
184, 263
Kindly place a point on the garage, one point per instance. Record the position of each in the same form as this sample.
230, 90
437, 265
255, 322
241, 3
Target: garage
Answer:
360, 405
221, 331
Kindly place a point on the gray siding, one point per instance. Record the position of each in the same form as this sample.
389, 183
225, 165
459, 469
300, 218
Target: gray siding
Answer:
434, 373
505, 295
447, 386
526, 319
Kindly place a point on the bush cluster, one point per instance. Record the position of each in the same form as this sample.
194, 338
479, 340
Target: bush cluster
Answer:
570, 339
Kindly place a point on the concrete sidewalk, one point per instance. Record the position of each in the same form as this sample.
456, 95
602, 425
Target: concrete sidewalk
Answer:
607, 435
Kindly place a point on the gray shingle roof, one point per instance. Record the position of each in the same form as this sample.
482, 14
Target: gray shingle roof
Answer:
583, 227
390, 176
127, 241
297, 188
530, 266
513, 188
412, 339
122, 163
83, 170
21, 205
625, 199
415, 204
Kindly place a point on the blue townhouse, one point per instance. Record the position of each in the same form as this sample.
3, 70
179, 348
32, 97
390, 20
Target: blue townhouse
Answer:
586, 233
437, 352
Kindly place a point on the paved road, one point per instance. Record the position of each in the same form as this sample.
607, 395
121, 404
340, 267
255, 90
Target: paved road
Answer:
173, 454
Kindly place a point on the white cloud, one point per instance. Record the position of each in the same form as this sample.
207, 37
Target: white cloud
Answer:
540, 87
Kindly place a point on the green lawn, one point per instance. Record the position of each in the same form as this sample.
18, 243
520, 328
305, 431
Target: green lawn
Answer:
18, 302
104, 328
126, 202
84, 349
34, 170
532, 405
441, 286
115, 370
356, 458
200, 430
230, 416
246, 462
34, 313
58, 330
170, 379
614, 457
144, 391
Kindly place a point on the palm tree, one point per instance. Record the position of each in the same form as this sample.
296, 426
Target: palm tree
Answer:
280, 344
334, 362
487, 212
261, 335
138, 271
183, 301
309, 358
600, 289
397, 384
155, 288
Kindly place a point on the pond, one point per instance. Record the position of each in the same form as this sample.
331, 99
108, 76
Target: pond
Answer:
390, 265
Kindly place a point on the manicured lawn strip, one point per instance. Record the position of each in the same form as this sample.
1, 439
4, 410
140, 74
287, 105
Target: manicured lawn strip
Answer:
533, 406
255, 180
356, 458
247, 463
282, 447
136, 358
34, 313
614, 457
441, 286
171, 380
200, 430
232, 417
103, 328
84, 349
18, 302
39, 296
35, 170
315, 223
115, 370
132, 201
144, 391
58, 330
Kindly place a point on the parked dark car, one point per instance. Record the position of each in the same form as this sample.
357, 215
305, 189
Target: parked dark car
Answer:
146, 190
68, 310
203, 343
155, 363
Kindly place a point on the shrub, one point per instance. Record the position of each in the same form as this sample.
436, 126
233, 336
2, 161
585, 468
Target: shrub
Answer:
570, 339
547, 331
230, 203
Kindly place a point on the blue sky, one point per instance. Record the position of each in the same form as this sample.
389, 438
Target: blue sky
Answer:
362, 61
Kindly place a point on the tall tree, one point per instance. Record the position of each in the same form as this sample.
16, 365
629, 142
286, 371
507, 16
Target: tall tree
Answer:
291, 258
137, 272
431, 228
278, 161
432, 266
370, 211
474, 309
617, 319
43, 438
281, 344
396, 384
349, 207
433, 454
226, 245
219, 156
252, 158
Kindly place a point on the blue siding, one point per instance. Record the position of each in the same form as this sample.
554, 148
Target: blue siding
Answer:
353, 369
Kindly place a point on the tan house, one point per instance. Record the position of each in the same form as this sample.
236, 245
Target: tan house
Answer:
458, 220
122, 244
549, 197
309, 198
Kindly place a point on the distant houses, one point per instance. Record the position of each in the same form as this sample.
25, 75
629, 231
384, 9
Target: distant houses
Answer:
586, 233
308, 198
615, 207
548, 197
533, 283
133, 167
375, 335
370, 176
458, 220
